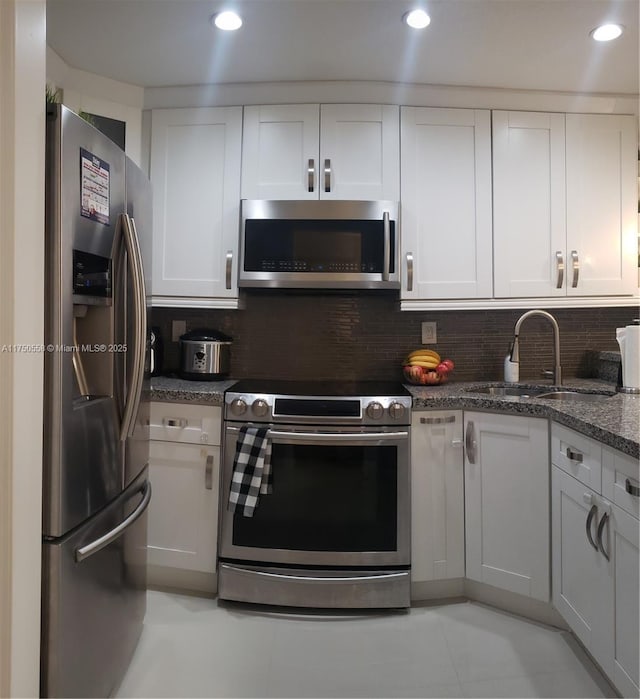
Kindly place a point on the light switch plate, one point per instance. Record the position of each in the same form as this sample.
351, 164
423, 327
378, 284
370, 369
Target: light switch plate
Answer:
429, 333
178, 327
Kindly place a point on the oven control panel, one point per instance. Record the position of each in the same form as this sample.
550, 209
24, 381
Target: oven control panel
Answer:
354, 410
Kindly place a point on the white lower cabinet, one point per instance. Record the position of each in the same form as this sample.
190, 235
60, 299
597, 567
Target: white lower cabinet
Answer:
184, 470
581, 574
437, 496
507, 502
595, 556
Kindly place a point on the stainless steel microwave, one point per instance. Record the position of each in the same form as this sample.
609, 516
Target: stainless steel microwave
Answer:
319, 244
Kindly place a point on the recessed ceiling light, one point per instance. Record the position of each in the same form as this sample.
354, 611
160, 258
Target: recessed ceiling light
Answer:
606, 32
227, 20
417, 19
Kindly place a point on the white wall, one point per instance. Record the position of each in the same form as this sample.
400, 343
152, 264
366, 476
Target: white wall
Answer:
384, 93
22, 136
95, 94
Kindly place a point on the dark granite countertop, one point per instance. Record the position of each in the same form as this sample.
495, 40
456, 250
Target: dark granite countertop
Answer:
170, 390
614, 421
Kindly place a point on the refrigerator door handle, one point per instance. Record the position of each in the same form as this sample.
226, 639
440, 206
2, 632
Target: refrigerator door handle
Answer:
86, 551
134, 259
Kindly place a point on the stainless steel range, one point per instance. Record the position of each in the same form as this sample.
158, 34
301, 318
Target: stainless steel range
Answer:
331, 528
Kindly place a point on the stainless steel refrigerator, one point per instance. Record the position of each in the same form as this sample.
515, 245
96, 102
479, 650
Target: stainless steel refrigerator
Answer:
96, 413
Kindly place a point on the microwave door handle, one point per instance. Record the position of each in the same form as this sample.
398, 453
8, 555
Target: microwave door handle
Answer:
387, 246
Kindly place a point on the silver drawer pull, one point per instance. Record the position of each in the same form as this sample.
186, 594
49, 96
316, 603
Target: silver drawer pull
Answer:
437, 420
574, 455
174, 422
631, 489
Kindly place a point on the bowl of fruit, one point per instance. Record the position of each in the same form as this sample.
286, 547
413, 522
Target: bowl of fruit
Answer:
425, 367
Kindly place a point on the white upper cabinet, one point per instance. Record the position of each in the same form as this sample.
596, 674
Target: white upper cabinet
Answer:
310, 151
195, 171
529, 210
602, 201
446, 203
564, 204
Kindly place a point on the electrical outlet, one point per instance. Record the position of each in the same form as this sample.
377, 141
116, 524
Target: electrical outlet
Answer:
178, 327
429, 333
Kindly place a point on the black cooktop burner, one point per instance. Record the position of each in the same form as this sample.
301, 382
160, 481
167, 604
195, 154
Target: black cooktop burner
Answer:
320, 388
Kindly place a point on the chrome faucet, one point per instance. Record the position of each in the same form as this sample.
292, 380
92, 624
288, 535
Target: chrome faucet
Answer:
515, 351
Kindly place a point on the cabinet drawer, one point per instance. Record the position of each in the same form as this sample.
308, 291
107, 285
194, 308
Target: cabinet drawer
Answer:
621, 480
181, 422
578, 455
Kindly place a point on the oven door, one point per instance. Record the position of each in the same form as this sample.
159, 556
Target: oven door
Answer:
340, 498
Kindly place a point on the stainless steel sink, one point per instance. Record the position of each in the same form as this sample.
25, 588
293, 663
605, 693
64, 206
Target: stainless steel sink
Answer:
573, 396
538, 392
520, 391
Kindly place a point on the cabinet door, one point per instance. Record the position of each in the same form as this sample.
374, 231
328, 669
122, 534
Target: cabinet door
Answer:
437, 496
529, 202
446, 203
624, 555
195, 171
183, 514
582, 577
507, 502
280, 153
602, 202
359, 151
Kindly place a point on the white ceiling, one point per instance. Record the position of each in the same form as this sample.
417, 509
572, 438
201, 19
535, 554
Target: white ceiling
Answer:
522, 44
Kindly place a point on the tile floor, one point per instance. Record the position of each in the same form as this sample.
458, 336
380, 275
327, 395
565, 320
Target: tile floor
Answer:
195, 647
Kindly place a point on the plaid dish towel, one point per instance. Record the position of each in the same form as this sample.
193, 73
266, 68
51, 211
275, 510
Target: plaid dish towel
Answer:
251, 469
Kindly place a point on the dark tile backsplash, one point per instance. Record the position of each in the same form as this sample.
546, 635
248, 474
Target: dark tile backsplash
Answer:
359, 336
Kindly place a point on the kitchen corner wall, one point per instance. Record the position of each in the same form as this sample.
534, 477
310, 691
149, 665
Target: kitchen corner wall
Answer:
282, 335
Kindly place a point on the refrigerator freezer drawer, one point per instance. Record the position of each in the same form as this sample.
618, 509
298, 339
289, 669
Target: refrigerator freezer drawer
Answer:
94, 598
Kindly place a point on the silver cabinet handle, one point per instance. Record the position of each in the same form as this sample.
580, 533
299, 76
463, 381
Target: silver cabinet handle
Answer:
311, 175
592, 513
327, 175
387, 246
603, 521
574, 455
228, 268
575, 265
208, 473
470, 443
116, 532
559, 269
174, 422
409, 271
456, 442
631, 489
437, 420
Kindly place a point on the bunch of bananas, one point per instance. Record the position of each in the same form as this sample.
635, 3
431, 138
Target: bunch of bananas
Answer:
426, 358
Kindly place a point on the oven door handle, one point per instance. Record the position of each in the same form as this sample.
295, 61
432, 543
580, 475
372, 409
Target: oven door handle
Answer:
316, 437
